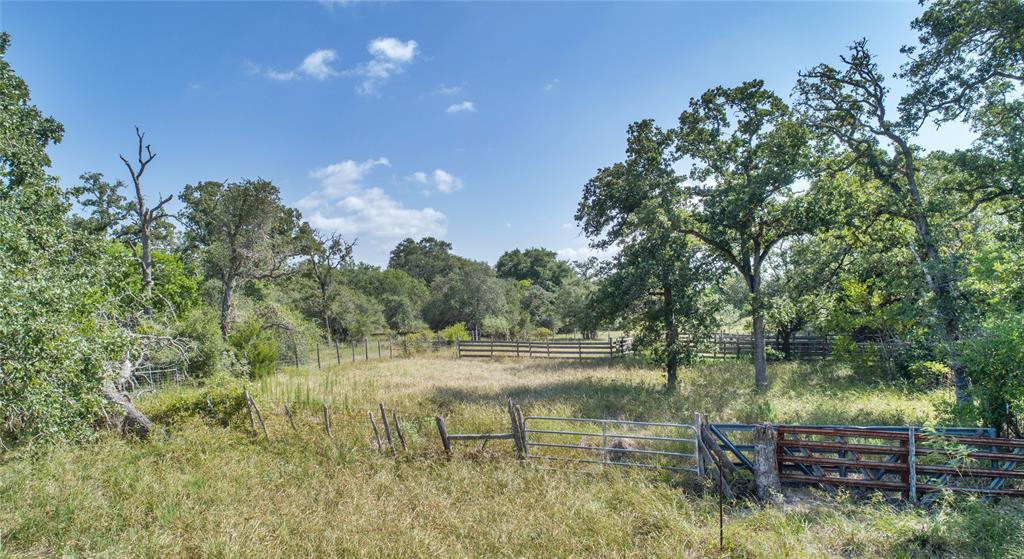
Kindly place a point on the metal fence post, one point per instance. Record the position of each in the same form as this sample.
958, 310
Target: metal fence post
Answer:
912, 465
696, 441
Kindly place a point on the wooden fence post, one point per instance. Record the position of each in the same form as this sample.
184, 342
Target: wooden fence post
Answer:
390, 352
327, 421
366, 349
378, 348
398, 429
443, 431
696, 440
353, 351
318, 356
337, 352
458, 349
766, 465
387, 429
376, 433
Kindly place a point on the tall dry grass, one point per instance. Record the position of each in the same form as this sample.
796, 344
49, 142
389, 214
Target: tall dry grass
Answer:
212, 491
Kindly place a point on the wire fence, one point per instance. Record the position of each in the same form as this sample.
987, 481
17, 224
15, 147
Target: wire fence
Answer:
321, 353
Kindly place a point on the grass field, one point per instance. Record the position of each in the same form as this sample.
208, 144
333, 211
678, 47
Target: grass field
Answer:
209, 490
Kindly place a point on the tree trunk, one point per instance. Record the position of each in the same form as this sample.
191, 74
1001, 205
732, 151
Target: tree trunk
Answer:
671, 339
225, 305
146, 263
133, 421
766, 465
787, 344
760, 361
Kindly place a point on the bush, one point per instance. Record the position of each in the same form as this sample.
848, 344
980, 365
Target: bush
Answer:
211, 352
994, 361
454, 333
417, 342
496, 327
257, 347
220, 398
542, 333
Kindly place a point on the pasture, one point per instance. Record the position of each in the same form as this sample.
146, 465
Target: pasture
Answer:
210, 490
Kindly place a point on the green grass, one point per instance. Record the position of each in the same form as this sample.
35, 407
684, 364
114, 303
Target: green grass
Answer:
207, 490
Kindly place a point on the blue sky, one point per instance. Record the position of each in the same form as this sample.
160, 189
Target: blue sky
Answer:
477, 123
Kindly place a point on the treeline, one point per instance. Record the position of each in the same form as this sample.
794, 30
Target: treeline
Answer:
822, 214
100, 281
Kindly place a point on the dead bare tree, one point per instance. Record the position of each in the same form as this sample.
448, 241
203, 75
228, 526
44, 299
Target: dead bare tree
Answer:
146, 217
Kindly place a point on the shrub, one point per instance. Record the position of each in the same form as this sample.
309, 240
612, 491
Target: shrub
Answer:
220, 398
994, 361
257, 347
211, 352
542, 333
455, 332
496, 327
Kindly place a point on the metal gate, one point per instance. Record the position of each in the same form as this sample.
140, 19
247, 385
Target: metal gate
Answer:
636, 444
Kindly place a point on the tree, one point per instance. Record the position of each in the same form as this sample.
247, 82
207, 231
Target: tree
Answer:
850, 105
467, 294
966, 50
540, 266
325, 254
426, 259
748, 150
57, 349
801, 282
244, 231
969, 64
145, 217
657, 276
108, 209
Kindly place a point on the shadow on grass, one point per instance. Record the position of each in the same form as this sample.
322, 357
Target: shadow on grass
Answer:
724, 390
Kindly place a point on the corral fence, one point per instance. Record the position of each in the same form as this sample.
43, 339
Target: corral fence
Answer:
724, 345
915, 463
612, 442
548, 349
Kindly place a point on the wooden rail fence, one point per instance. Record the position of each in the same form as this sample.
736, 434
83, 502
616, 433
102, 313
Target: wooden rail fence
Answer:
723, 346
574, 349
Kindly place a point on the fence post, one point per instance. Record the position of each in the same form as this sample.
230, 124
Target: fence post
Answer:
318, 356
443, 431
337, 352
492, 348
611, 349
912, 465
366, 349
579, 348
378, 349
353, 351
696, 441
296, 348
458, 350
390, 352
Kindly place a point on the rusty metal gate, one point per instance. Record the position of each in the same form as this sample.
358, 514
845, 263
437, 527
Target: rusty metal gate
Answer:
612, 442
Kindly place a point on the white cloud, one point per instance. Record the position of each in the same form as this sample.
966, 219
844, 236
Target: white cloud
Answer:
448, 90
344, 203
463, 107
316, 65
551, 84
389, 56
331, 4
440, 179
346, 177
